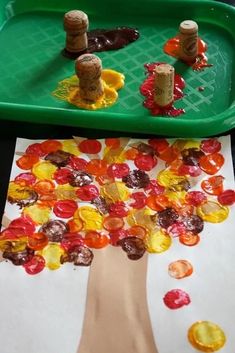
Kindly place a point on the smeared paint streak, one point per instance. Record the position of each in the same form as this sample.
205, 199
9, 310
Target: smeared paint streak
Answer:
106, 39
68, 90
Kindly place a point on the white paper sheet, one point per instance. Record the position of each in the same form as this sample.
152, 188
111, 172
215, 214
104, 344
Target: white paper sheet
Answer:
44, 313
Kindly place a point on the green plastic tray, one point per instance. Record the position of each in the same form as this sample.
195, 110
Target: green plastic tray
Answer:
32, 37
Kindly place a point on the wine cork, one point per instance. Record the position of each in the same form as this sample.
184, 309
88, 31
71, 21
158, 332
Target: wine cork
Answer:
188, 41
164, 85
88, 68
76, 25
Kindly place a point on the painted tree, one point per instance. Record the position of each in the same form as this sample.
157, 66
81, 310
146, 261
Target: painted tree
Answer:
107, 204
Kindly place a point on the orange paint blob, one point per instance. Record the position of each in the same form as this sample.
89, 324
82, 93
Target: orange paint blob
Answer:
213, 185
131, 154
169, 154
112, 143
113, 223
157, 202
172, 48
96, 167
189, 239
44, 187
180, 269
211, 163
96, 240
27, 161
37, 241
137, 231
51, 146
75, 225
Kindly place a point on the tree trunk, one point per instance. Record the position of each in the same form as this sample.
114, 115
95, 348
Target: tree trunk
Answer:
116, 318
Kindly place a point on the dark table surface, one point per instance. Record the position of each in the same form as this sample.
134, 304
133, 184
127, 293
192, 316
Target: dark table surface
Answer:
9, 131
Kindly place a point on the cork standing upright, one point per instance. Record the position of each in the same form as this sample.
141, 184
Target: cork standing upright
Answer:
76, 25
88, 68
164, 85
188, 40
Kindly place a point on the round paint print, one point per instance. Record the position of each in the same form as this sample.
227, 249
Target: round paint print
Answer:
176, 299
206, 336
180, 269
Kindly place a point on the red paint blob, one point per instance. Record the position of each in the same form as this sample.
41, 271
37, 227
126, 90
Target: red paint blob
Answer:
118, 170
116, 235
87, 192
210, 146
90, 146
227, 198
176, 299
35, 265
23, 225
159, 145
77, 163
25, 179
147, 90
70, 240
118, 209
36, 149
145, 162
172, 48
62, 176
195, 198
154, 188
139, 200
65, 208
192, 170
176, 229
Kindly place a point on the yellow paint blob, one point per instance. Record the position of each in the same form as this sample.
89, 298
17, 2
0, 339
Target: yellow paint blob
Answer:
52, 254
44, 170
16, 245
92, 219
143, 217
176, 196
158, 242
114, 155
115, 191
65, 192
70, 146
39, 214
206, 336
171, 180
18, 192
192, 144
113, 79
68, 90
213, 212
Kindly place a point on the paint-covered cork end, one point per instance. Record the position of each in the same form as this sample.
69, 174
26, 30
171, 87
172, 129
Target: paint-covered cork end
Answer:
76, 21
88, 66
188, 27
164, 85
